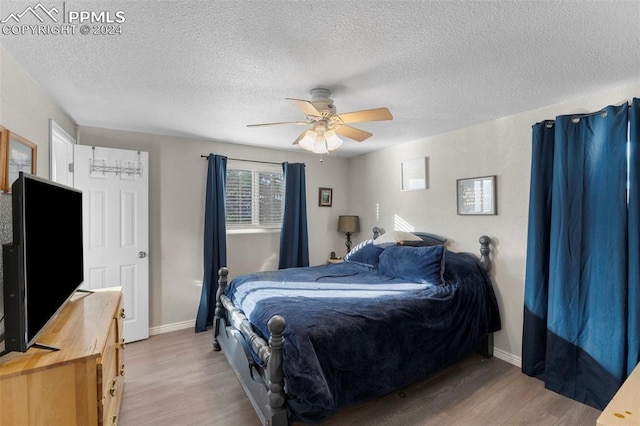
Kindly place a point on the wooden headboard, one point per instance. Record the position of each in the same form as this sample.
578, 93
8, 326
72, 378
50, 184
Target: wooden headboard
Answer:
433, 240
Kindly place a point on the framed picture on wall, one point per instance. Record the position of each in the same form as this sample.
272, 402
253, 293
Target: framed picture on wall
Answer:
325, 197
477, 196
414, 174
17, 154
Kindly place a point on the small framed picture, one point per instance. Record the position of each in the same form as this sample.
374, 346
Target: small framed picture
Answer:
17, 154
477, 196
414, 174
325, 197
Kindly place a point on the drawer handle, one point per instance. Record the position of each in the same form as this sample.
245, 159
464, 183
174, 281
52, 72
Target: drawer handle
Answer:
122, 370
112, 391
114, 420
122, 344
122, 314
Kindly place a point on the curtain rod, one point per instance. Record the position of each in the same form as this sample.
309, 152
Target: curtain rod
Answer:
550, 122
248, 161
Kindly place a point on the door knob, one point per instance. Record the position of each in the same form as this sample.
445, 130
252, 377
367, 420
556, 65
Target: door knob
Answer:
142, 254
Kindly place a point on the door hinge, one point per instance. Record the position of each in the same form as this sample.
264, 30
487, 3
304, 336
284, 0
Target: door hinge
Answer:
70, 167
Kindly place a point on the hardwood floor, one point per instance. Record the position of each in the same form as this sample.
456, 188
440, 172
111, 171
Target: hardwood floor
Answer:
177, 379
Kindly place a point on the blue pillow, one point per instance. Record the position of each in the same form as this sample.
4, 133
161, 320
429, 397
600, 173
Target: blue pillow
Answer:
415, 264
365, 253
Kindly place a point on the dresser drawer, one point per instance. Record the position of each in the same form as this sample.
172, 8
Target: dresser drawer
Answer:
109, 361
120, 339
113, 371
112, 403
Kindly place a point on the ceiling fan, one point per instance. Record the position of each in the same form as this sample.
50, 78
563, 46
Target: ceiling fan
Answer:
325, 124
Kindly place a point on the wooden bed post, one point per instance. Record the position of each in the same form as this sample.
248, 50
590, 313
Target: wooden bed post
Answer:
485, 260
376, 232
276, 326
485, 347
219, 312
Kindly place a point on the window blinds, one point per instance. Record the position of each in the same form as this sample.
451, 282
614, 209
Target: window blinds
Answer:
254, 196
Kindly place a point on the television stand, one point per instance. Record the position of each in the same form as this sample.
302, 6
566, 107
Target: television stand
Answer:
45, 347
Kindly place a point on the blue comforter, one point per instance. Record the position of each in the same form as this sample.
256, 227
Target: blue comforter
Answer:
353, 334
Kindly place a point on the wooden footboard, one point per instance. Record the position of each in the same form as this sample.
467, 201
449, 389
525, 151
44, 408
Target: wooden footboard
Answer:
234, 335
264, 382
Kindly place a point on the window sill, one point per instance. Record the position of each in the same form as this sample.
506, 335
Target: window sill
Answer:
241, 231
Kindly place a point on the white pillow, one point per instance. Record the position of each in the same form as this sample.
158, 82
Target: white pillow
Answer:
392, 238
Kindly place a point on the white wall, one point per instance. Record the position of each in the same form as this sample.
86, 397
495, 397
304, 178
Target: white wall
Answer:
25, 109
176, 222
501, 147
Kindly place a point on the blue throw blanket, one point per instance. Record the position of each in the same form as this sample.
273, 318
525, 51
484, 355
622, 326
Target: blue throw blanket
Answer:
353, 334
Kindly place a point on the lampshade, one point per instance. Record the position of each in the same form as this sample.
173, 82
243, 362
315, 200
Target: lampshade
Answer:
308, 140
348, 224
320, 142
333, 141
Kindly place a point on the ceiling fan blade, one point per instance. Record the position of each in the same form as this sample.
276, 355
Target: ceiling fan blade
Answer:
353, 133
376, 114
306, 107
299, 123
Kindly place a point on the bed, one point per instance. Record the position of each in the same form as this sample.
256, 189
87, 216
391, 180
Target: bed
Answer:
306, 342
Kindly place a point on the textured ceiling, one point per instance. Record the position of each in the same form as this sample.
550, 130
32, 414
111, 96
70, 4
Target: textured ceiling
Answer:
206, 69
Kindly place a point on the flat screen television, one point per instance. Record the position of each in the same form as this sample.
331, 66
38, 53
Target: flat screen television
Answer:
44, 265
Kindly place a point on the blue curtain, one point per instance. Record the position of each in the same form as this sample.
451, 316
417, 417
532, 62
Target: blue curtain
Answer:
538, 247
294, 240
633, 332
578, 324
215, 239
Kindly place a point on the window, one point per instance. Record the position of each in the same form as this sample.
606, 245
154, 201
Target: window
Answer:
254, 195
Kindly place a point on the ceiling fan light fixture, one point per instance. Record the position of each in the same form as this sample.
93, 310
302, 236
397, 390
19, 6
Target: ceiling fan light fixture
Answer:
313, 141
320, 142
308, 140
333, 141
319, 148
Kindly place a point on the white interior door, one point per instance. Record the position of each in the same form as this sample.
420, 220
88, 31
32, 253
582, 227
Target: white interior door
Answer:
116, 237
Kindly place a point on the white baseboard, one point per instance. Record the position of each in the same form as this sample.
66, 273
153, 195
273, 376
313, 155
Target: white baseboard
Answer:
161, 329
507, 357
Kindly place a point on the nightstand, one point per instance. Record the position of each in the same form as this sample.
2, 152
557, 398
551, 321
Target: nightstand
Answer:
336, 260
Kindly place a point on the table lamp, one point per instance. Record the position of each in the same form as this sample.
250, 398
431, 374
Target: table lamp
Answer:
348, 225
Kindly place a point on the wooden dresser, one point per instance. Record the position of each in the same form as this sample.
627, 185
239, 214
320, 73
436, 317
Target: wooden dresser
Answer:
624, 408
82, 383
